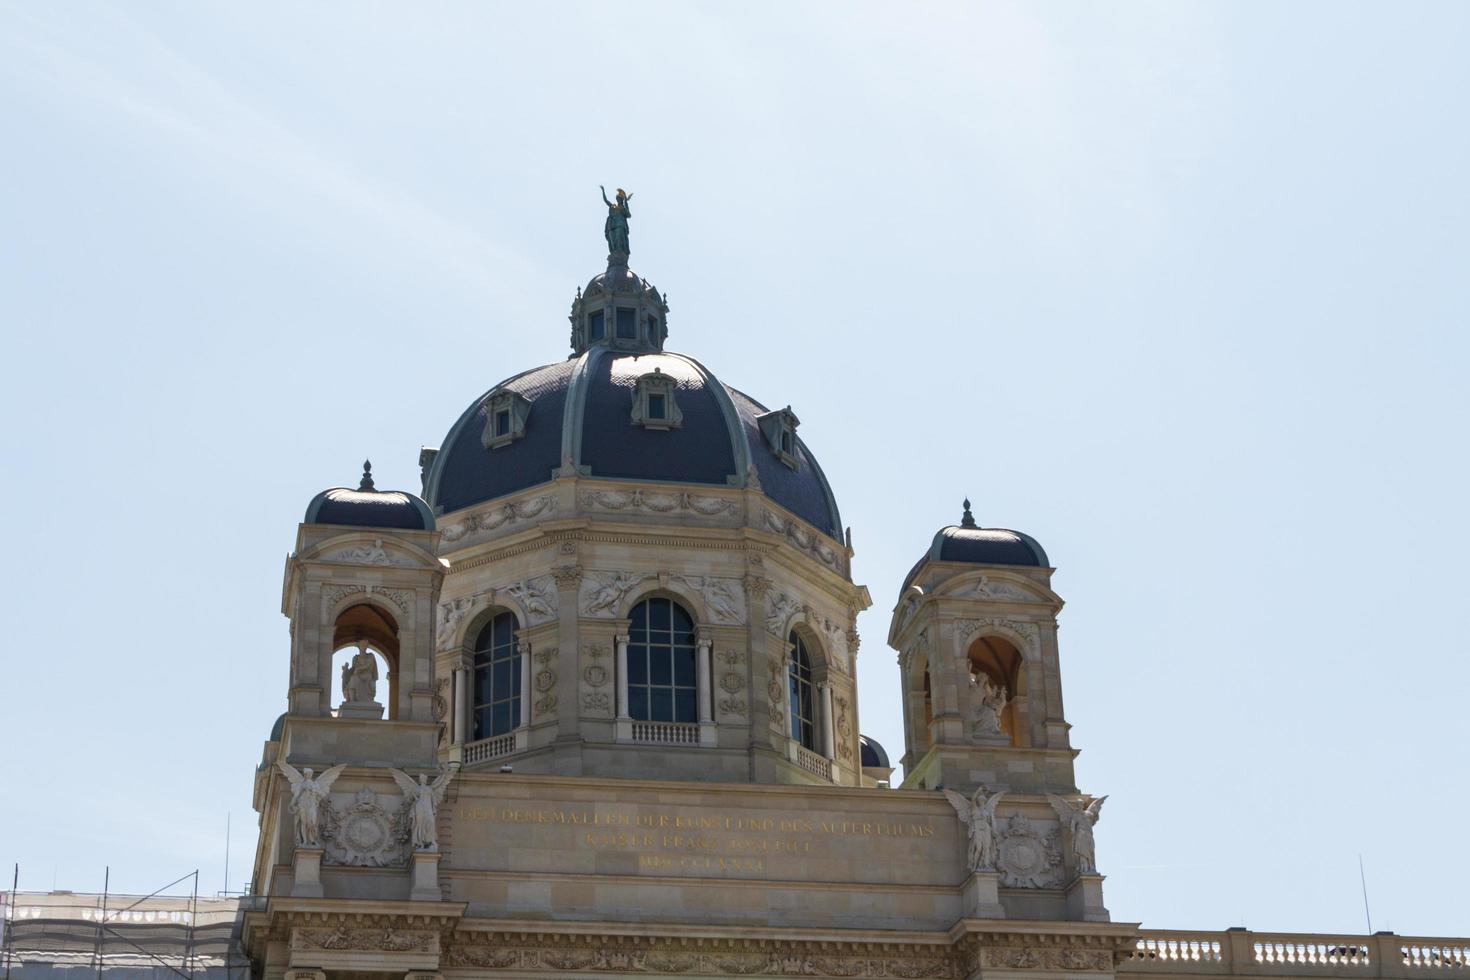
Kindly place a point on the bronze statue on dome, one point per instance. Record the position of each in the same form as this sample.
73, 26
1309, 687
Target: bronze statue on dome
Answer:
615, 229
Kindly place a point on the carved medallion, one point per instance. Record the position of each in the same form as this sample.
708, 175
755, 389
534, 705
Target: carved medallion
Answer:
1028, 858
732, 682
365, 835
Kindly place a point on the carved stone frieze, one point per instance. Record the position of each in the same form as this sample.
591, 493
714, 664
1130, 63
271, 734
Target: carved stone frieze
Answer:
554, 954
387, 940
659, 502
724, 597
497, 517
596, 701
337, 593
812, 542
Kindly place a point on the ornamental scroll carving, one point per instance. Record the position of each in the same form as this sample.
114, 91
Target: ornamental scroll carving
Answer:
498, 517
812, 542
657, 502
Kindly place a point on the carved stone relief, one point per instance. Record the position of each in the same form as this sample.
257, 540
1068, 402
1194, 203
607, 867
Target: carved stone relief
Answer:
373, 554
387, 940
603, 592
537, 596
999, 591
779, 609
365, 834
724, 597
1028, 857
812, 542
497, 517
451, 614
656, 502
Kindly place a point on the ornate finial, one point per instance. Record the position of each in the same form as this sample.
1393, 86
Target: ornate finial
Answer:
367, 475
969, 519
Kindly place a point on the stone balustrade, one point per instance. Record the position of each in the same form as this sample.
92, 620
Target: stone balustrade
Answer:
666, 732
1241, 952
489, 748
813, 763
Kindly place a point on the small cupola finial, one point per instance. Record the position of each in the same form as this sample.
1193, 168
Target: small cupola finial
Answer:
367, 475
968, 520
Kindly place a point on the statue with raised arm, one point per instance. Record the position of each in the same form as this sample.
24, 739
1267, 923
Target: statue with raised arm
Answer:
615, 229
308, 796
423, 799
978, 815
1079, 819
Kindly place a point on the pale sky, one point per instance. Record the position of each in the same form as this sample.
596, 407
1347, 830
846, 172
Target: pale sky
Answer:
1178, 288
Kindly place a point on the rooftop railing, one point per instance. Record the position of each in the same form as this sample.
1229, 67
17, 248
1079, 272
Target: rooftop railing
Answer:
1241, 952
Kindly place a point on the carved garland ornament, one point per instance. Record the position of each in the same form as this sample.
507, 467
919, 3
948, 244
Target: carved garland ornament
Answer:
489, 520
656, 502
388, 940
812, 542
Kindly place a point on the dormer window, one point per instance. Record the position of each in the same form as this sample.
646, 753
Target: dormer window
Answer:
779, 429
595, 328
505, 418
627, 323
654, 404
651, 323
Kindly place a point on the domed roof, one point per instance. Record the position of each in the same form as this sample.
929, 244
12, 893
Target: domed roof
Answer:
872, 754
968, 542
367, 507
579, 413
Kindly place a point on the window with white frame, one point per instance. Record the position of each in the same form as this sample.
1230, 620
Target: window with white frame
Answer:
654, 403
779, 430
505, 418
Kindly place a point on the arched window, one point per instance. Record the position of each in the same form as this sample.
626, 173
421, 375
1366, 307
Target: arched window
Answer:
661, 683
497, 687
803, 694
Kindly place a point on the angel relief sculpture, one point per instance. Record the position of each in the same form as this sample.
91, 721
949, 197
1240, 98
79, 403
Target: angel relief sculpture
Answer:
308, 795
978, 815
1079, 819
423, 799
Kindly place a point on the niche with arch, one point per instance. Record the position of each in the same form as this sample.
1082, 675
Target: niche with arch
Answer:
995, 665
366, 624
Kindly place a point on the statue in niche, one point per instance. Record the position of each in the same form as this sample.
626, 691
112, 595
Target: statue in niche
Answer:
615, 229
308, 796
423, 799
1079, 821
360, 677
978, 815
990, 700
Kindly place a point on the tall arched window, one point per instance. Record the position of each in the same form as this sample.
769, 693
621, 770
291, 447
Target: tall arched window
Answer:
803, 694
497, 679
661, 681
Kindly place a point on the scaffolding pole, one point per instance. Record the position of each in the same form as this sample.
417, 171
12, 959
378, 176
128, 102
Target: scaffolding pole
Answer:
10, 921
102, 920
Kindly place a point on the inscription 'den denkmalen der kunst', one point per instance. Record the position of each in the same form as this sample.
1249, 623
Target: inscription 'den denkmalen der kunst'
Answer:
695, 842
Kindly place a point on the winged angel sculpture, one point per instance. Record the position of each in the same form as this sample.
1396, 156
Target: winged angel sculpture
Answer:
423, 799
978, 815
308, 794
1079, 821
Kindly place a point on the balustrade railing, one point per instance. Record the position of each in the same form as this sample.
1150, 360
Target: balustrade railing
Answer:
1281, 954
666, 732
489, 748
815, 764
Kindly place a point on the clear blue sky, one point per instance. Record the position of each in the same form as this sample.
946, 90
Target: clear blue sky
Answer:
1178, 288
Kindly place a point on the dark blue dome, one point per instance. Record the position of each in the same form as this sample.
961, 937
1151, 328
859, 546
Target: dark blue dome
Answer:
975, 545
872, 755
367, 507
578, 413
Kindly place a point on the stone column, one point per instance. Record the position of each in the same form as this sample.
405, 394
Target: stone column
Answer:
701, 673
622, 642
523, 649
461, 705
829, 737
